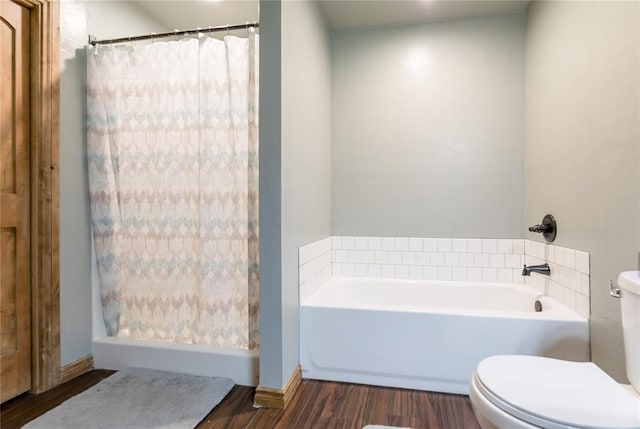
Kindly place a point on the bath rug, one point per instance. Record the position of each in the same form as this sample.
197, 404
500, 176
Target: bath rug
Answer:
139, 398
383, 427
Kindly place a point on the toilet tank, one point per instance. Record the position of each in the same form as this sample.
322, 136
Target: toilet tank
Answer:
629, 283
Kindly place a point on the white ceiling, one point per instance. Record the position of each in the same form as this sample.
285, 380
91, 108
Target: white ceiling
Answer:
340, 14
343, 14
188, 14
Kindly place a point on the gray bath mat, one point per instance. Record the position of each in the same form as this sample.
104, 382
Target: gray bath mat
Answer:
383, 427
139, 398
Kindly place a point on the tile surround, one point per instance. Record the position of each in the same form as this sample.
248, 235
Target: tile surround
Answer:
429, 258
314, 266
473, 260
569, 282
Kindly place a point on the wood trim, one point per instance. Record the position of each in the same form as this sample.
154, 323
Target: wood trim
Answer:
278, 398
45, 231
76, 368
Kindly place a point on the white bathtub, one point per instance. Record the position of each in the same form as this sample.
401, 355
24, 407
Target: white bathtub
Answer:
428, 335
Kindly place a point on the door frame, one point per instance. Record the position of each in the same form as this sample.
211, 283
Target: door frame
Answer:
45, 194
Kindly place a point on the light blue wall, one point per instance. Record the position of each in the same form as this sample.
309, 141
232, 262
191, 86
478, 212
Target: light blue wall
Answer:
428, 129
306, 151
295, 169
582, 144
270, 197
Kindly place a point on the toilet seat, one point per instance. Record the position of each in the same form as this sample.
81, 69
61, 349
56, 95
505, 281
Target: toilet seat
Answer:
556, 394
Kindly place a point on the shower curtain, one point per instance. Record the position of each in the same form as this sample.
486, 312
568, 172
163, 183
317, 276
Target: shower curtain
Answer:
172, 146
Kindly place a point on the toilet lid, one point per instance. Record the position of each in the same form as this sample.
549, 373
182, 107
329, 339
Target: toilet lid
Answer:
557, 393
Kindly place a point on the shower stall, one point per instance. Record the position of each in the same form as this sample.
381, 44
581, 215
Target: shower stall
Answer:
172, 150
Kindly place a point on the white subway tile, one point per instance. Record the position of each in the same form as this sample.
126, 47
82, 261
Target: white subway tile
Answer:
474, 274
528, 281
348, 270
409, 258
516, 275
466, 259
582, 262
444, 245
436, 259
570, 298
388, 272
355, 256
361, 270
422, 258
481, 260
368, 256
452, 259
505, 246
415, 244
395, 257
430, 244
505, 275
375, 243
348, 242
570, 258
375, 270
496, 260
415, 272
489, 275
324, 275
388, 243
518, 246
402, 244
575, 281
342, 255
305, 254
513, 261
325, 258
527, 247
459, 245
542, 282
402, 271
489, 245
336, 269
326, 243
381, 257
474, 245
444, 273
585, 285
538, 248
551, 254
362, 243
559, 255
303, 294
430, 273
336, 242
459, 274
304, 273
556, 292
532, 260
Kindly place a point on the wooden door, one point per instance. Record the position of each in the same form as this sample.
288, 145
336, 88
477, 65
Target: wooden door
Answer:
15, 298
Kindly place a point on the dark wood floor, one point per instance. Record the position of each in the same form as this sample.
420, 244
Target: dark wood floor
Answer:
317, 404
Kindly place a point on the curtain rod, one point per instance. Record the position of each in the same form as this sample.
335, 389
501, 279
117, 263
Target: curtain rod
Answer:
93, 41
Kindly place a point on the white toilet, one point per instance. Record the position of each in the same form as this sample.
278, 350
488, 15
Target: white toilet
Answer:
513, 392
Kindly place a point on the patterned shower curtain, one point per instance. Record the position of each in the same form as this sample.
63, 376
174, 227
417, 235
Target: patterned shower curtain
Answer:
172, 139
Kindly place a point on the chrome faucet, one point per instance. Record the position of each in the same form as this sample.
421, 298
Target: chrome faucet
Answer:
542, 269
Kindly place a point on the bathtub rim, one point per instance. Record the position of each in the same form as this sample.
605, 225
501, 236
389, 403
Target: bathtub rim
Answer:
556, 310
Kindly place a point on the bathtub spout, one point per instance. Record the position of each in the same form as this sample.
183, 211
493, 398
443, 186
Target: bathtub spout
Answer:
542, 269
